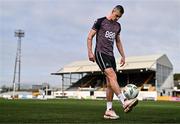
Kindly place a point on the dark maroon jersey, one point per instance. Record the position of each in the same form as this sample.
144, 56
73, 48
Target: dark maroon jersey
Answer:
107, 31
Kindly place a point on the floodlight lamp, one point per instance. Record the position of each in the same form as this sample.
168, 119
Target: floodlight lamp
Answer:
19, 33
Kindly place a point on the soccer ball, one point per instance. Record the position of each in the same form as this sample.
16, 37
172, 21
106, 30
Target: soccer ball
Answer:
130, 91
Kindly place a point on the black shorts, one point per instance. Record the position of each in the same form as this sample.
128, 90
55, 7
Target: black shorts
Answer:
105, 61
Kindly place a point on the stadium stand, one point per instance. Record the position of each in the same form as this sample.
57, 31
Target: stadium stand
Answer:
149, 73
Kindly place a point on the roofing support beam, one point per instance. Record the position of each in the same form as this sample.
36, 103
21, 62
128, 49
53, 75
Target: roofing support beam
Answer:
70, 81
62, 85
81, 75
128, 82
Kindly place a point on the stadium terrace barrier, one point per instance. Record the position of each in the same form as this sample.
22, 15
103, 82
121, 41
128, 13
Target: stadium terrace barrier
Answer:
176, 99
168, 98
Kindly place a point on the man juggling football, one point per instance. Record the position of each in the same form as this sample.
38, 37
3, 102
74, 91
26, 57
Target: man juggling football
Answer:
107, 31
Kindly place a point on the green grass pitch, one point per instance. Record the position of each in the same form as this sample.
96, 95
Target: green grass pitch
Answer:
85, 111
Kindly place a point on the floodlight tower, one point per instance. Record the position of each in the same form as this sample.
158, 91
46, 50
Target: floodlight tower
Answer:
18, 33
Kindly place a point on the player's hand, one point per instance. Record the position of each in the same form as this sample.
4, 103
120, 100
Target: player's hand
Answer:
91, 57
122, 62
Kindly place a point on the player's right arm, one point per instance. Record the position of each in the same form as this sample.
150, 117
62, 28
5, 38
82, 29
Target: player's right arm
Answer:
89, 45
92, 33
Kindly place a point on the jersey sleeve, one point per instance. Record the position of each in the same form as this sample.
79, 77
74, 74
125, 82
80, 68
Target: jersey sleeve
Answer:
118, 33
97, 23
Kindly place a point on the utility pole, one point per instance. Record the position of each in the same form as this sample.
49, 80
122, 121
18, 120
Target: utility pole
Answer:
18, 33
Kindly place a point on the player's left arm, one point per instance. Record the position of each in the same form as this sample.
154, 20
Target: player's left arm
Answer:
120, 49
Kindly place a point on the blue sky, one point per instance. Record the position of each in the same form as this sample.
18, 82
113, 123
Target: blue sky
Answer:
56, 31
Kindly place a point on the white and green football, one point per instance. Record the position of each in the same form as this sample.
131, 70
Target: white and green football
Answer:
130, 91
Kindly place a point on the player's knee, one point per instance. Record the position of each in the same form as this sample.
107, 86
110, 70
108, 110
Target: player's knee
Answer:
112, 79
112, 76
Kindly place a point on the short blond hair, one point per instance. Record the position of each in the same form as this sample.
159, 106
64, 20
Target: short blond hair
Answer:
119, 8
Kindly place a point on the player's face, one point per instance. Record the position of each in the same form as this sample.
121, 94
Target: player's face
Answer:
116, 15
